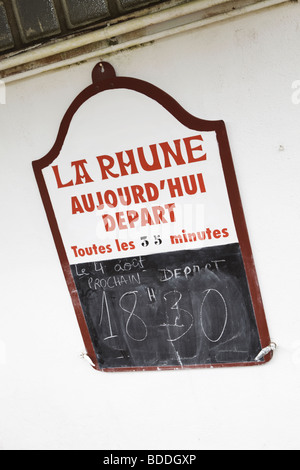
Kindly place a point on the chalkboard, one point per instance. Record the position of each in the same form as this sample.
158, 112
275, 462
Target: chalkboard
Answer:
178, 309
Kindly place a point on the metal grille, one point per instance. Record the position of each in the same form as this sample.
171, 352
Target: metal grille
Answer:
28, 22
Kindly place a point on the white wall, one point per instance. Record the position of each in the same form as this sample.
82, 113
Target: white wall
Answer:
240, 71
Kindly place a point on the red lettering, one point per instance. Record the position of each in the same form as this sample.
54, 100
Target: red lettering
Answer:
121, 220
138, 192
217, 234
190, 150
152, 192
88, 202
80, 167
201, 183
109, 222
58, 180
106, 163
74, 248
178, 158
131, 163
158, 213
132, 217
175, 187
146, 218
76, 206
145, 165
171, 209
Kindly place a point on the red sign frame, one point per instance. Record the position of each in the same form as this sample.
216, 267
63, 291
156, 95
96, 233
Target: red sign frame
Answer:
104, 78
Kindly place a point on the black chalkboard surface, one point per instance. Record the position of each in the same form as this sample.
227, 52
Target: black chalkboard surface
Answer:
179, 309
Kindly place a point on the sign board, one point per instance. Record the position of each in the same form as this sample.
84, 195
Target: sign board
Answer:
145, 211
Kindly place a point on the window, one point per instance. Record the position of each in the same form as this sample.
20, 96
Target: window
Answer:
42, 35
29, 22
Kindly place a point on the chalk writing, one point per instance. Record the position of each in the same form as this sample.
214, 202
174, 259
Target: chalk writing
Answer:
181, 317
133, 316
207, 296
104, 306
172, 309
